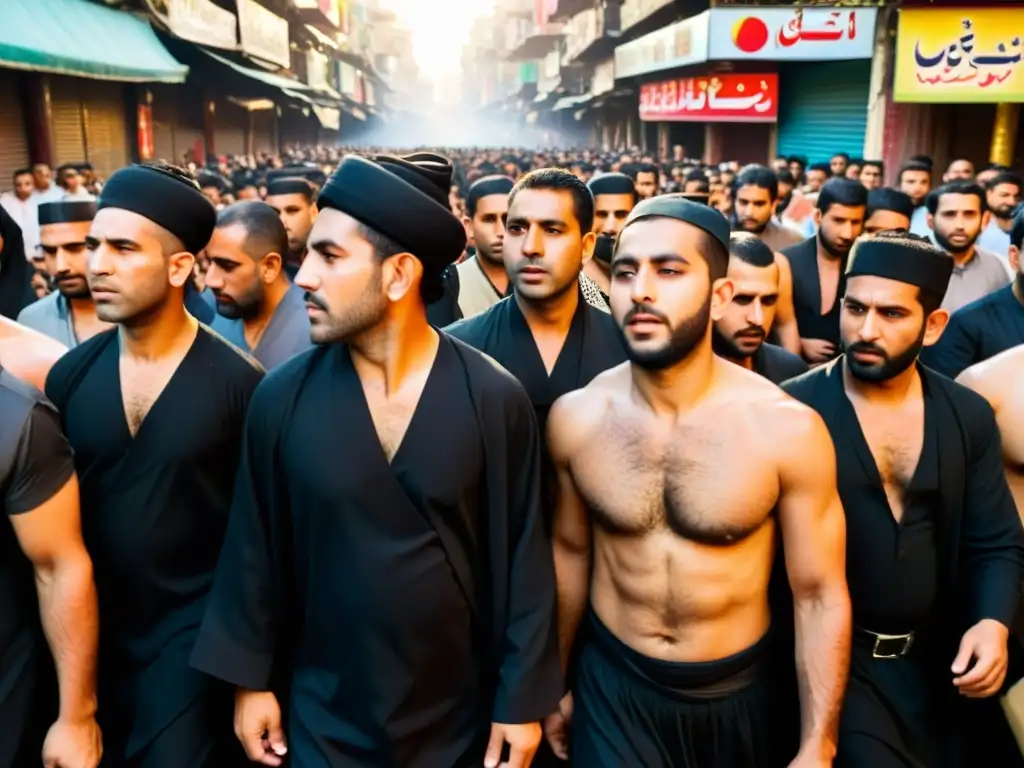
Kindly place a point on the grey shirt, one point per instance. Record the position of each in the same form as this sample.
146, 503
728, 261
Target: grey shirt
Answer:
286, 335
51, 316
982, 275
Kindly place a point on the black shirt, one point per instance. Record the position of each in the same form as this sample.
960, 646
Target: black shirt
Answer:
777, 364
811, 323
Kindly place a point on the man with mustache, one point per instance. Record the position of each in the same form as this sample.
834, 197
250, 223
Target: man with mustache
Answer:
258, 308
818, 265
483, 281
1002, 196
154, 411
739, 334
935, 550
956, 216
614, 197
68, 314
294, 199
666, 554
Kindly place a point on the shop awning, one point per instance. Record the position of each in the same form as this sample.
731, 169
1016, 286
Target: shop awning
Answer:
291, 88
83, 39
568, 102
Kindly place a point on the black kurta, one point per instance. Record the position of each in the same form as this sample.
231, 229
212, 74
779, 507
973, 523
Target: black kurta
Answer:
960, 547
154, 511
976, 332
777, 364
811, 323
401, 608
35, 463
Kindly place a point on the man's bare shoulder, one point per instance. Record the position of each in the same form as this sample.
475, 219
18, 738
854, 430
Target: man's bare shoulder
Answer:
997, 378
575, 416
28, 354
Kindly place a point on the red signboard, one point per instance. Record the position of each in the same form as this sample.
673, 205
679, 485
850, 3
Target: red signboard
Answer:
145, 132
716, 98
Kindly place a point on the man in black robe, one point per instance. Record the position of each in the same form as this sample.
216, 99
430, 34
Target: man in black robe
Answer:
935, 550
988, 326
45, 571
16, 291
154, 411
385, 595
818, 265
739, 334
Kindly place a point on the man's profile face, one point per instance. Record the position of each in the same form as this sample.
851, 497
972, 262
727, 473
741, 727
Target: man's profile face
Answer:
661, 294
488, 227
213, 195
646, 184
343, 278
232, 274
839, 227
24, 184
916, 184
297, 214
853, 172
957, 222
66, 257
754, 208
747, 320
882, 220
544, 248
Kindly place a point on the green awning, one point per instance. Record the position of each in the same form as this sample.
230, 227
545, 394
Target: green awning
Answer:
290, 87
83, 39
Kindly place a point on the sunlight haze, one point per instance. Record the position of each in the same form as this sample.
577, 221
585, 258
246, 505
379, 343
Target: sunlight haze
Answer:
440, 28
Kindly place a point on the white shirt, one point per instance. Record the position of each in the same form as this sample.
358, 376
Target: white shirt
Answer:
26, 215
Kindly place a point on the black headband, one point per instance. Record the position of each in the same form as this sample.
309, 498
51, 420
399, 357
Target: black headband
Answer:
487, 186
922, 264
66, 211
678, 207
291, 186
405, 211
612, 184
172, 202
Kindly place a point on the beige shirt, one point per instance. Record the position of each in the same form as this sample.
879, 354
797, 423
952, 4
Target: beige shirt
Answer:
982, 275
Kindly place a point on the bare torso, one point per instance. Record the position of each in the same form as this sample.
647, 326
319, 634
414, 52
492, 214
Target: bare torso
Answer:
681, 513
26, 353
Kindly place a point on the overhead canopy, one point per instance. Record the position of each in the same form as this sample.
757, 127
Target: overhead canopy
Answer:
292, 88
76, 37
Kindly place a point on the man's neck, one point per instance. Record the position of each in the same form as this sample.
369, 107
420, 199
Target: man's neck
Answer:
495, 272
962, 259
825, 256
395, 350
168, 329
890, 392
681, 387
257, 324
1004, 224
742, 362
23, 199
552, 316
1018, 287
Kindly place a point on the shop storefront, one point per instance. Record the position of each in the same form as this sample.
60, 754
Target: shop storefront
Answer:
88, 123
957, 86
14, 152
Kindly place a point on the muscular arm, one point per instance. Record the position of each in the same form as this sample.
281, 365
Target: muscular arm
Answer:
570, 534
51, 539
814, 541
785, 315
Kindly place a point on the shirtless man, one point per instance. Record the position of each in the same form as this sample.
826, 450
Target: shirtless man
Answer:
674, 551
1000, 380
26, 353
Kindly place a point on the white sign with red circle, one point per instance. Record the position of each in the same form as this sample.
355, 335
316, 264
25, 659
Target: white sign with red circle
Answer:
792, 34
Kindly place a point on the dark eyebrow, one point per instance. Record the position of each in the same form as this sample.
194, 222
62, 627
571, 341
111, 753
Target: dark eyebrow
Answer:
325, 246
519, 220
659, 259
124, 242
879, 307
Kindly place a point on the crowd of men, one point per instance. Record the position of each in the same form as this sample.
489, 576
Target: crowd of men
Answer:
508, 457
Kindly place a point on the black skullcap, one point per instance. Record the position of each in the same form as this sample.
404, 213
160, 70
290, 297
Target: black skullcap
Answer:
171, 201
678, 207
487, 186
920, 263
292, 186
404, 199
210, 180
612, 184
66, 211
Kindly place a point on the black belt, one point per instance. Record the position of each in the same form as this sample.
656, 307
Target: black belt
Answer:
885, 646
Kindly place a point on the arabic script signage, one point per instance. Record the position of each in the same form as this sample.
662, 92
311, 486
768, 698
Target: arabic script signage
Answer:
964, 55
792, 34
718, 98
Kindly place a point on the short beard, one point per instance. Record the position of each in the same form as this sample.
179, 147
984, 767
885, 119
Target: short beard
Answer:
683, 339
73, 295
489, 257
947, 246
726, 346
360, 316
830, 247
889, 368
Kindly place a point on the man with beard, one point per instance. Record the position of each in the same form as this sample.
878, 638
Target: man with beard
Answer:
154, 411
959, 170
986, 327
1002, 195
915, 179
614, 198
483, 281
839, 163
888, 209
935, 550
645, 180
956, 215
294, 199
818, 265
258, 309
68, 314
673, 675
739, 335
416, 628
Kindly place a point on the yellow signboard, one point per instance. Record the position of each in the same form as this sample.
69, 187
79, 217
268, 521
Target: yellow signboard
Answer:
960, 55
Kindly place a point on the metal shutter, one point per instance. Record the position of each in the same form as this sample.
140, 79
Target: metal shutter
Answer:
232, 123
264, 128
824, 109
13, 144
188, 133
106, 128
66, 120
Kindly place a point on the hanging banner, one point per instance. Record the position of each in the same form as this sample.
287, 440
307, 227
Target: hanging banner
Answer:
959, 55
200, 21
792, 34
144, 126
725, 98
264, 34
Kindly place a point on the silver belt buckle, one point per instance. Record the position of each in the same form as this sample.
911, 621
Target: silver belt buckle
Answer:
908, 641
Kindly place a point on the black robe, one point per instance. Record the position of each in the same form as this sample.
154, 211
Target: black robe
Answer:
778, 364
811, 323
445, 310
976, 332
396, 610
154, 511
978, 546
